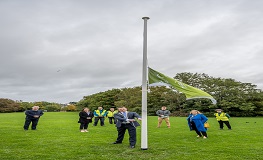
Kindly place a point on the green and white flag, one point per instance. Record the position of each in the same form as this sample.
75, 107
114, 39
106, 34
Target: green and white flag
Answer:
189, 91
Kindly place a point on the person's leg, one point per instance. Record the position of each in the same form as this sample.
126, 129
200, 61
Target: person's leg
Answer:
96, 121
110, 120
167, 122
81, 127
27, 123
160, 120
204, 134
85, 126
195, 129
121, 132
132, 134
102, 121
221, 125
227, 124
34, 124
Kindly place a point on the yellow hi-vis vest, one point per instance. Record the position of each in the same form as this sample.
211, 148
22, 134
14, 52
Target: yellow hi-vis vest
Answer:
221, 117
100, 114
111, 114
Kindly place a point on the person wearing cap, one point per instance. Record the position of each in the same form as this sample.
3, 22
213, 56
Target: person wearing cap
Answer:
110, 115
32, 116
163, 114
222, 118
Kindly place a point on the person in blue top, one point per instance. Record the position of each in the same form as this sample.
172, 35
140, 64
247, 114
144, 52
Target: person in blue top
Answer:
196, 122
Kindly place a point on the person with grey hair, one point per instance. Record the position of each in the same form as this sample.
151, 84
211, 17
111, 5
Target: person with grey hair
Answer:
32, 116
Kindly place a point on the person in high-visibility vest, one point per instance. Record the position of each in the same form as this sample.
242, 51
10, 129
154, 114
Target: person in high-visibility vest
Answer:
110, 115
222, 118
99, 114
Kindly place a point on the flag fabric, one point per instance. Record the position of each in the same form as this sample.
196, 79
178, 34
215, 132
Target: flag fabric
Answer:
190, 92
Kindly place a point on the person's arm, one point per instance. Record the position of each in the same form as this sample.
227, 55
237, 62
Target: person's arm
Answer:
135, 115
228, 116
41, 113
29, 113
158, 113
105, 114
95, 114
203, 118
119, 117
81, 115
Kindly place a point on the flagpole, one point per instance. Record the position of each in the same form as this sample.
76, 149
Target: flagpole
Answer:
144, 131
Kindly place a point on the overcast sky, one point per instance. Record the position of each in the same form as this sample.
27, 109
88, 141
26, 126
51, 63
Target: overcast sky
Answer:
62, 50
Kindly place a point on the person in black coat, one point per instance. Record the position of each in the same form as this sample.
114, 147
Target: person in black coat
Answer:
126, 120
85, 117
32, 116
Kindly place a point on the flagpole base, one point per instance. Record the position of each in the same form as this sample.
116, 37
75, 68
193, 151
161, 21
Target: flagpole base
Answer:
144, 148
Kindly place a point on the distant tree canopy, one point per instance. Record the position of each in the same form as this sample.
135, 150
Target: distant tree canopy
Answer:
8, 105
236, 98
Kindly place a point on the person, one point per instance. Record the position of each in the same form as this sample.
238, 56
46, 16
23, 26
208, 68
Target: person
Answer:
196, 122
32, 116
99, 114
222, 118
85, 117
110, 115
163, 114
126, 120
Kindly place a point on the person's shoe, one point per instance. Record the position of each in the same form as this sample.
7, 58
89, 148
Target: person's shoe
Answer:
204, 137
197, 136
168, 127
82, 131
229, 129
116, 143
86, 130
132, 146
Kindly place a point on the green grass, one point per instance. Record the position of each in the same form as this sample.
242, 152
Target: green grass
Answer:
58, 137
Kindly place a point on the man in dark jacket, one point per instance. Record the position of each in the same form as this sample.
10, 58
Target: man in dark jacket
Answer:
32, 116
126, 120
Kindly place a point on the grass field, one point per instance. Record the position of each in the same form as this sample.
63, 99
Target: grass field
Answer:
58, 137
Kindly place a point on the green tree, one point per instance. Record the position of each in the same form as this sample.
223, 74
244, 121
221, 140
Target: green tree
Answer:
8, 105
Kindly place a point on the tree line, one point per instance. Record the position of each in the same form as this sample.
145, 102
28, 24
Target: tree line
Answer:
8, 105
234, 97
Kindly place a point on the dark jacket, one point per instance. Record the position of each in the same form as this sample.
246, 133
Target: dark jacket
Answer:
199, 121
130, 115
83, 117
31, 113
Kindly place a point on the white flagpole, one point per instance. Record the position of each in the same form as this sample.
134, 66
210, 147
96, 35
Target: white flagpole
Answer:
144, 131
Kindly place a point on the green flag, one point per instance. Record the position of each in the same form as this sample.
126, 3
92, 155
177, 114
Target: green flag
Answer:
189, 91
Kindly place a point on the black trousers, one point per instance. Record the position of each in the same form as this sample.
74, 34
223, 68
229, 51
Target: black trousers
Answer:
97, 120
84, 125
196, 130
221, 124
112, 120
34, 123
132, 133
